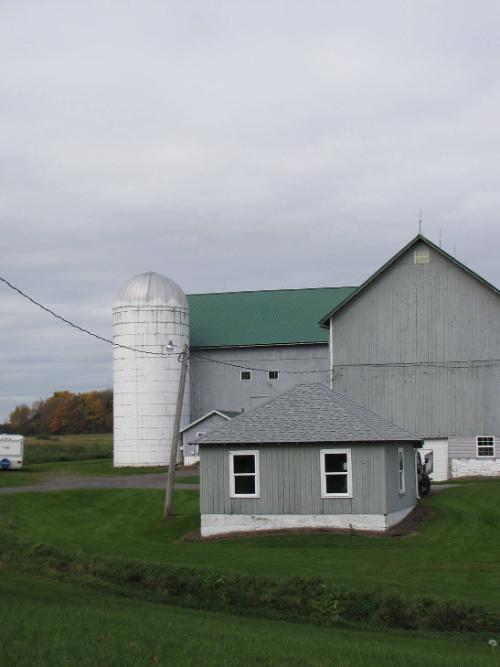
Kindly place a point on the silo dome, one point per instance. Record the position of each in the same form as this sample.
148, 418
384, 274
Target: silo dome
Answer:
150, 329
150, 289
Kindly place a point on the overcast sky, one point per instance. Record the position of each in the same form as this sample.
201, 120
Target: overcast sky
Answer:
231, 145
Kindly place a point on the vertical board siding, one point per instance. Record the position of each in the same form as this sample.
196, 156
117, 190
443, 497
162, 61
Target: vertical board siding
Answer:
290, 480
216, 386
394, 500
414, 314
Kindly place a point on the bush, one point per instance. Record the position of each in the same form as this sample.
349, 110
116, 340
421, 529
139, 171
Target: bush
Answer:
300, 598
396, 612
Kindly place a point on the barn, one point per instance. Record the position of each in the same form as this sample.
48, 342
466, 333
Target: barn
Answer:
419, 343
192, 433
234, 333
309, 458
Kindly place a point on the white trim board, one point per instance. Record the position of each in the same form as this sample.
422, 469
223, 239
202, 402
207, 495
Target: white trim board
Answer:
221, 524
200, 419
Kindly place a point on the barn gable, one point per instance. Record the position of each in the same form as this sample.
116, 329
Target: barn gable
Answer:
419, 343
419, 241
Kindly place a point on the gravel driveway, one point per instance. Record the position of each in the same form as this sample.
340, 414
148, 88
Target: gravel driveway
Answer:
67, 482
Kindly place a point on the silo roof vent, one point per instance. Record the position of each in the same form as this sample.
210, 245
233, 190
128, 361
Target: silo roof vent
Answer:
150, 289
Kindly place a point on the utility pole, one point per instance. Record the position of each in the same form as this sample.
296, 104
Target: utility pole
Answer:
167, 508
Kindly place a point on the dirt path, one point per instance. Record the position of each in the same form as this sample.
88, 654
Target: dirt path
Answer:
67, 482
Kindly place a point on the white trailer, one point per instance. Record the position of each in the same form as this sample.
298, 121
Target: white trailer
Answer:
11, 451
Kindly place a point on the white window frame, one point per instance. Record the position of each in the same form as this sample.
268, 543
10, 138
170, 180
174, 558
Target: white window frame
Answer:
273, 379
244, 452
401, 472
324, 474
248, 379
485, 456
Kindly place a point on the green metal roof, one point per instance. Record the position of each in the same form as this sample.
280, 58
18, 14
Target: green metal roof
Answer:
268, 317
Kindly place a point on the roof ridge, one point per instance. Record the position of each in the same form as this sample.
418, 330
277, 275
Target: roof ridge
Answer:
273, 289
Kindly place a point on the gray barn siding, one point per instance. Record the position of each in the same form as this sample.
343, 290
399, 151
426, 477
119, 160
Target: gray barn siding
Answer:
217, 386
394, 500
465, 448
421, 313
189, 435
290, 481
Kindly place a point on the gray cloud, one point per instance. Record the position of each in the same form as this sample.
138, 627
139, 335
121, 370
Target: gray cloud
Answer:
230, 145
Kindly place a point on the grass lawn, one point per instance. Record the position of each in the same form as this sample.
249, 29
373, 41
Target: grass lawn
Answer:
454, 555
50, 624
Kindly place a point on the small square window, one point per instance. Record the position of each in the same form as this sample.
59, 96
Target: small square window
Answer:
485, 445
421, 256
336, 473
274, 375
244, 474
246, 376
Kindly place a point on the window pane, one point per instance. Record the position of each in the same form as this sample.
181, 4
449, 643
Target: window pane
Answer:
335, 462
401, 461
244, 463
244, 485
336, 483
246, 375
485, 446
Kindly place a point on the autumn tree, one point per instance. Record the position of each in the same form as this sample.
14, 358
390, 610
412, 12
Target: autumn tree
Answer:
65, 412
20, 419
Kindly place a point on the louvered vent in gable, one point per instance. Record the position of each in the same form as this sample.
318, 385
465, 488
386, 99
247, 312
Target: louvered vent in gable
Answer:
421, 256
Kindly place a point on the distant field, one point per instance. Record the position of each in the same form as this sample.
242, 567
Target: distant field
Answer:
68, 448
52, 624
454, 555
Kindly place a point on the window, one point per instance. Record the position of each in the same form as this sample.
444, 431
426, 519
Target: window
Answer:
421, 256
336, 473
485, 445
245, 376
274, 375
244, 474
401, 470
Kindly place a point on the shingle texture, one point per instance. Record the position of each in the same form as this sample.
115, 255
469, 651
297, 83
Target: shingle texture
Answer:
308, 413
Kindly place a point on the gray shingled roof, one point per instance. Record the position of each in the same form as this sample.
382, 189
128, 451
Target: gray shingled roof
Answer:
308, 413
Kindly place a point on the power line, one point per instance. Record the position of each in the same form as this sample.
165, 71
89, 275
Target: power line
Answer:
135, 349
473, 363
257, 370
77, 326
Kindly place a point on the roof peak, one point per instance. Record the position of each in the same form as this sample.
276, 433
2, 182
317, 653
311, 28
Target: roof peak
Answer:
324, 322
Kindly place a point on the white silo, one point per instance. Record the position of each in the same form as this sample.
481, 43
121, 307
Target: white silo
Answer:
150, 314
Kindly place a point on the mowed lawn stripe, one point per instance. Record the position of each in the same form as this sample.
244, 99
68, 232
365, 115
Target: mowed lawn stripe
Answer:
454, 555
